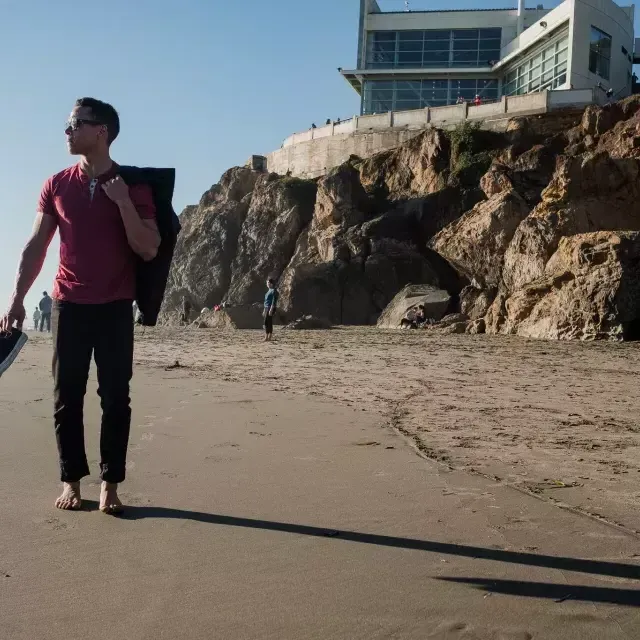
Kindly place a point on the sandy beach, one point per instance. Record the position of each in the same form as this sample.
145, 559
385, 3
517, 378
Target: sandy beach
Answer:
558, 419
350, 483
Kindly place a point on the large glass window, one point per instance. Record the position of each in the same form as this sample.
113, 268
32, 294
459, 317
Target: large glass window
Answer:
434, 48
401, 95
600, 53
544, 69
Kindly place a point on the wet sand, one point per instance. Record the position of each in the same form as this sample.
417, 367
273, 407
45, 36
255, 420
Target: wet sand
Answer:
272, 494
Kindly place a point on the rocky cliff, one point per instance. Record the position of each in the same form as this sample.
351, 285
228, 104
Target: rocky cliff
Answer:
535, 231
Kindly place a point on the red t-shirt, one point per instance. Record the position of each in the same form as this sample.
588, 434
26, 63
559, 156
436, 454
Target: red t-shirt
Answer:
97, 264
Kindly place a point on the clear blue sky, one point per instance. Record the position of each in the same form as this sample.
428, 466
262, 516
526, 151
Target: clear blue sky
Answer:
200, 85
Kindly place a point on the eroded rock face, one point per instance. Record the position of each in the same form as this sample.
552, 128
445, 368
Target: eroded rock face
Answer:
417, 168
341, 203
280, 209
201, 268
475, 303
475, 244
590, 290
587, 193
533, 231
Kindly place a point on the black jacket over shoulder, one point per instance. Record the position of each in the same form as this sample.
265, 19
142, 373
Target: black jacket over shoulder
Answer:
152, 276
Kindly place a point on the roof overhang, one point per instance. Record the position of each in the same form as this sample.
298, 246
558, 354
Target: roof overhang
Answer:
536, 42
356, 77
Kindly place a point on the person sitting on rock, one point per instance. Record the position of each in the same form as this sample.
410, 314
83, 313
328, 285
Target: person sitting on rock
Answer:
409, 320
415, 318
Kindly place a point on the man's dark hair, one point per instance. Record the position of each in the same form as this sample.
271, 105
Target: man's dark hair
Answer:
272, 281
104, 113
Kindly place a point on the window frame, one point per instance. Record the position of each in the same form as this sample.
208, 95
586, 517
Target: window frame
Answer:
599, 59
424, 49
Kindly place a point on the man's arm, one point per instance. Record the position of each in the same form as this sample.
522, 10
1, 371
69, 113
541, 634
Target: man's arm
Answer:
274, 304
29, 268
142, 232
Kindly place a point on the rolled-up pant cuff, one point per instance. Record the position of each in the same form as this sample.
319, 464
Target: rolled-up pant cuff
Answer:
73, 473
112, 476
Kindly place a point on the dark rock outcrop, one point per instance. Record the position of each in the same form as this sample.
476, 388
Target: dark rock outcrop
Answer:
533, 231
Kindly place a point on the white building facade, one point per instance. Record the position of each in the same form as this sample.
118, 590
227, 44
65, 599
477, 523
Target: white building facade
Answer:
417, 59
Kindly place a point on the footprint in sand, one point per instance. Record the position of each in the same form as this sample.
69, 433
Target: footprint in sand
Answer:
133, 500
53, 523
462, 631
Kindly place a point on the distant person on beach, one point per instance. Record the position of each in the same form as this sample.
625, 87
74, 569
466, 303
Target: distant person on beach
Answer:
270, 305
186, 311
103, 224
36, 319
45, 310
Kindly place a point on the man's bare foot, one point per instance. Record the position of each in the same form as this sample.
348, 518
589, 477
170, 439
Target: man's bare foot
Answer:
70, 499
109, 501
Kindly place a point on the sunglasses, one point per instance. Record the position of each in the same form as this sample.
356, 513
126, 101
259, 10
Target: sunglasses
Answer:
74, 124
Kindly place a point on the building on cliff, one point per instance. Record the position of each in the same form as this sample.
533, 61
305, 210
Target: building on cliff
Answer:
416, 59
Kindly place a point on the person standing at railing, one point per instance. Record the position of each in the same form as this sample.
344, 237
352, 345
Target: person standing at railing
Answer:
477, 101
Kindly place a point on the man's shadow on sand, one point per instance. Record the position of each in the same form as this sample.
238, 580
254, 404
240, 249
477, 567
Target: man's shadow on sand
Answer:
628, 597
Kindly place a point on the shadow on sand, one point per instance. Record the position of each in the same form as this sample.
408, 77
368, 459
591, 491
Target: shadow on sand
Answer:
595, 567
557, 592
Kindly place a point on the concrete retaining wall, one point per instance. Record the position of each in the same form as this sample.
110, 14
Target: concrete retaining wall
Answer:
378, 121
489, 110
454, 113
530, 102
573, 98
416, 119
315, 158
313, 153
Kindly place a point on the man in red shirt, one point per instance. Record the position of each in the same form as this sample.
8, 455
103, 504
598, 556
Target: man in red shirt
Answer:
103, 226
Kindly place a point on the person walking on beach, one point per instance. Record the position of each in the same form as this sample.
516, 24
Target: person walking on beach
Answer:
103, 225
270, 305
186, 311
45, 310
36, 319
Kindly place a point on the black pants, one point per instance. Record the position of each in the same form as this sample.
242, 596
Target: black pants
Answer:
106, 332
45, 318
268, 323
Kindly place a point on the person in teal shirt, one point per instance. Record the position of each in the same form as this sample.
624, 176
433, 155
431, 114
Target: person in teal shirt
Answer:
270, 304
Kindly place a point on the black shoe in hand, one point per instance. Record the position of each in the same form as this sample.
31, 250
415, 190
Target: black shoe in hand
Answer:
10, 345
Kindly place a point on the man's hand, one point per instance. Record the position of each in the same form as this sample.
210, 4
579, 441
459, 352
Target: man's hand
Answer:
15, 314
117, 190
